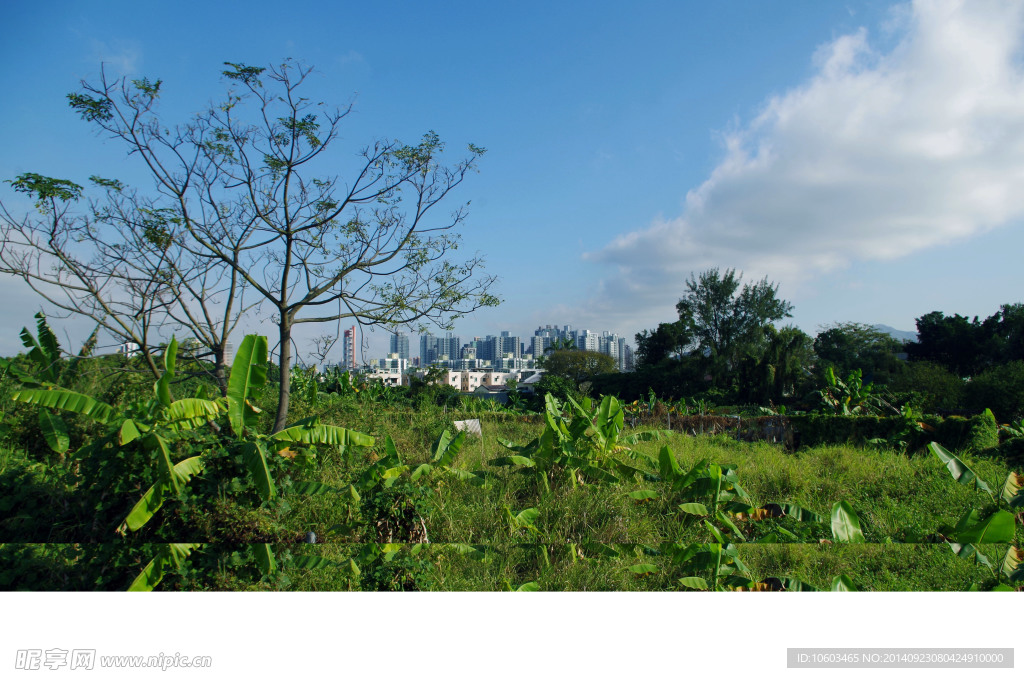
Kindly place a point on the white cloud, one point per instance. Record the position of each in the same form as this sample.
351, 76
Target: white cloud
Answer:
120, 57
876, 156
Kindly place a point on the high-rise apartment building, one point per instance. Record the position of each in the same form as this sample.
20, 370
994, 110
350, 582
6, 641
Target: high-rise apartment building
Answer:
399, 343
348, 349
434, 348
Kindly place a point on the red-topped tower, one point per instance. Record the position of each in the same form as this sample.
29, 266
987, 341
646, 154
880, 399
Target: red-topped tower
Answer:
348, 349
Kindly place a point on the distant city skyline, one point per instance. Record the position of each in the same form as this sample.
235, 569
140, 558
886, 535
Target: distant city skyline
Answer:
491, 348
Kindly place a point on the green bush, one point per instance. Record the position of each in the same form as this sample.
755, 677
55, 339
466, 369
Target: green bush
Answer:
1011, 451
983, 432
975, 434
999, 388
931, 386
830, 429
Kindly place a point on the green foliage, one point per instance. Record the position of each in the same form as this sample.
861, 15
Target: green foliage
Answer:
585, 505
560, 388
967, 347
578, 445
995, 524
715, 567
929, 386
90, 108
158, 428
1000, 389
168, 556
910, 431
46, 357
846, 347
846, 524
725, 320
46, 190
848, 397
248, 75
983, 432
578, 366
248, 371
666, 341
776, 368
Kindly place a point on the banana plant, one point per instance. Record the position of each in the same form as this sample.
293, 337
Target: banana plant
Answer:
705, 491
45, 354
443, 453
365, 557
713, 494
523, 522
581, 444
156, 424
168, 556
248, 373
1013, 430
714, 567
848, 397
383, 474
153, 426
994, 526
1010, 575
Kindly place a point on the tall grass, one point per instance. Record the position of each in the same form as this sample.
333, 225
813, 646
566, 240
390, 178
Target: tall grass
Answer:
899, 497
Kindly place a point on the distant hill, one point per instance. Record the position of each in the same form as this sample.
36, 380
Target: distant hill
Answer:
902, 335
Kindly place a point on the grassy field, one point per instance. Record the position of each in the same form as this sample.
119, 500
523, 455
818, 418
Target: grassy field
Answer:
403, 514
899, 498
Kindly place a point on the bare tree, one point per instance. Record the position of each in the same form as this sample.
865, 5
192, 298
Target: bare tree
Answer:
118, 264
257, 198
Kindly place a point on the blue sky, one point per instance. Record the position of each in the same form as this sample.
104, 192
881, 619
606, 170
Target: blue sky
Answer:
865, 156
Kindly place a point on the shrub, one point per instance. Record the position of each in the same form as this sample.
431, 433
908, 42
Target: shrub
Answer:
1011, 452
983, 432
933, 386
999, 388
974, 434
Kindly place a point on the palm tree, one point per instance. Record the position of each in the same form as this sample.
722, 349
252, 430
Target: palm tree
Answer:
559, 344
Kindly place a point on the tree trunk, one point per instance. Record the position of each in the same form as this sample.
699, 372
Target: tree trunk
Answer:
147, 355
285, 365
220, 370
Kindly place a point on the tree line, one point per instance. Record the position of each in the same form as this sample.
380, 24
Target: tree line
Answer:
726, 346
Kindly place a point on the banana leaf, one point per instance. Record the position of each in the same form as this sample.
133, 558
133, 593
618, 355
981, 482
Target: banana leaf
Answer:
153, 499
249, 370
997, 528
264, 558
168, 555
69, 401
323, 434
255, 456
55, 432
846, 524
843, 583
958, 469
162, 387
